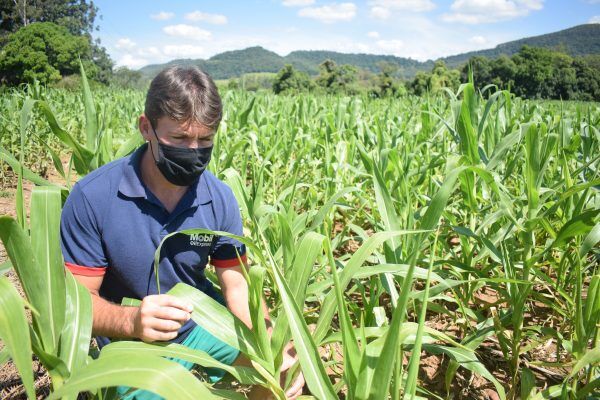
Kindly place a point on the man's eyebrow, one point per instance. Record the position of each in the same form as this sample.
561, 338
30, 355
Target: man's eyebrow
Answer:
184, 133
178, 132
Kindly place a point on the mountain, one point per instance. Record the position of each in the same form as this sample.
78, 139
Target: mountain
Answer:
576, 41
309, 60
257, 59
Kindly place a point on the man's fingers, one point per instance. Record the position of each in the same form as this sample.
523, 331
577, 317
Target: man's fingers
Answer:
165, 325
166, 300
152, 335
296, 389
171, 313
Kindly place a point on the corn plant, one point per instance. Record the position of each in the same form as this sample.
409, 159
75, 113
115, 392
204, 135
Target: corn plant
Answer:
367, 220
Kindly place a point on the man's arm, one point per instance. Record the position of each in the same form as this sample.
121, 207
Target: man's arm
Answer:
158, 318
235, 291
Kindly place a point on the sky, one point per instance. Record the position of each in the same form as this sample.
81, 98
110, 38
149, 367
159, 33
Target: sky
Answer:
141, 32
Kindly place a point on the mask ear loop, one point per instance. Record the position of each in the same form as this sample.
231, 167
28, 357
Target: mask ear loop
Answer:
150, 142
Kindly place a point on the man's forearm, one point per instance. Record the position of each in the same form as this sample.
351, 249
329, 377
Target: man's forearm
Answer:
112, 320
237, 302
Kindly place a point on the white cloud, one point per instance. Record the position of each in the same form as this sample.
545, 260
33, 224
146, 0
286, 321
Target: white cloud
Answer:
150, 52
330, 13
154, 55
487, 11
183, 51
380, 12
594, 20
404, 5
382, 9
215, 19
125, 44
162, 16
373, 35
131, 61
363, 48
342, 45
187, 31
477, 40
297, 3
394, 46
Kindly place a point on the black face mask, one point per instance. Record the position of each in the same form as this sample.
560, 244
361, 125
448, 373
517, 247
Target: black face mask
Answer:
181, 166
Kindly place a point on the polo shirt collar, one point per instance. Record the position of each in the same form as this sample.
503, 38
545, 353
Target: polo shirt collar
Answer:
131, 184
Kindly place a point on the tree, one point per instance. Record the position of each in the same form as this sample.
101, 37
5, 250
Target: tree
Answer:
289, 80
387, 84
564, 76
43, 51
543, 73
481, 67
102, 61
503, 72
77, 16
534, 71
420, 84
440, 77
540, 73
588, 80
337, 79
127, 78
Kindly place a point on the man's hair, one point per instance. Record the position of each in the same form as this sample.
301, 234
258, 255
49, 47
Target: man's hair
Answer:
185, 94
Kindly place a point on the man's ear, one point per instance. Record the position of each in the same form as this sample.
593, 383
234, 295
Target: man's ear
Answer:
145, 127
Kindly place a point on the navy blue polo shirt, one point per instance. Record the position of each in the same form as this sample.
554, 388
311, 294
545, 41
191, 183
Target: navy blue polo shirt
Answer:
112, 224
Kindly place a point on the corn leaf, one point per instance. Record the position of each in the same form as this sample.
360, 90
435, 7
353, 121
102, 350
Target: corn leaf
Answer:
218, 320
590, 357
244, 375
312, 367
350, 269
45, 240
14, 332
155, 374
77, 331
468, 360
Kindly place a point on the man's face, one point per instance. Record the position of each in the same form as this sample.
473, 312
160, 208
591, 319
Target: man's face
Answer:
175, 133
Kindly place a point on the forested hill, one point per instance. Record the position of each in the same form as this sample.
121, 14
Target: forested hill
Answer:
309, 60
257, 59
579, 40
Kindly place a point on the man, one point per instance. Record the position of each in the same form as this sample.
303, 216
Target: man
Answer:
115, 218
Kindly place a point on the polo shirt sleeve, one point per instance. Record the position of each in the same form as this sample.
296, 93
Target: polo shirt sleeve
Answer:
226, 250
80, 236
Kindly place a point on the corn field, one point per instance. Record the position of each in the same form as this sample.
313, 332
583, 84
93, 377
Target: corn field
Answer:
389, 237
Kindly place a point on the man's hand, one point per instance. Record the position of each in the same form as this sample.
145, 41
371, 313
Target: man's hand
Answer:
289, 359
160, 317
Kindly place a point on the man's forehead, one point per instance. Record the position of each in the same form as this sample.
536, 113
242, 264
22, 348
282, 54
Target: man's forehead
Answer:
191, 128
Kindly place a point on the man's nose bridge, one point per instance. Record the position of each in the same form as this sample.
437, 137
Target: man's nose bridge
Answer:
194, 143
